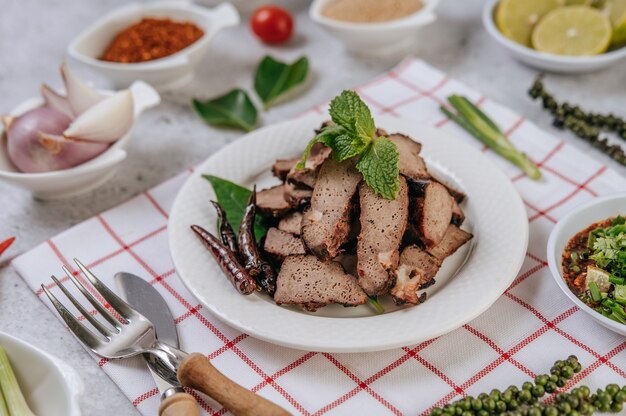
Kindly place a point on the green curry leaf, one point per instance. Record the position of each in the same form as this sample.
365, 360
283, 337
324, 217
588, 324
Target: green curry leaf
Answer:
274, 78
234, 109
233, 198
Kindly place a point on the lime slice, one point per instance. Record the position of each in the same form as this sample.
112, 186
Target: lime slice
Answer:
516, 18
616, 11
573, 31
600, 277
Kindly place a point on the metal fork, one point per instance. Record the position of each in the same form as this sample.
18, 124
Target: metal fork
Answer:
133, 334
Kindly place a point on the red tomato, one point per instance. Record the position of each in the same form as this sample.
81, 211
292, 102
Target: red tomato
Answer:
272, 24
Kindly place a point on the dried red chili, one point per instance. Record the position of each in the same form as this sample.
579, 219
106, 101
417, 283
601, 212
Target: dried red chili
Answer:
6, 244
150, 39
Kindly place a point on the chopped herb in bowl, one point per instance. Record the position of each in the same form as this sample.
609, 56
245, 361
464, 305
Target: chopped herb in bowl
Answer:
594, 267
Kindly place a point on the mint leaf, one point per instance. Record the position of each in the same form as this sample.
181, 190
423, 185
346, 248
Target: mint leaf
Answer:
302, 163
233, 198
233, 109
346, 146
274, 78
327, 136
350, 112
379, 166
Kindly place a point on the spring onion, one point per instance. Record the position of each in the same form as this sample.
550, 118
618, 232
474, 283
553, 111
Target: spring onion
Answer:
374, 303
617, 280
478, 124
4, 411
595, 292
15, 401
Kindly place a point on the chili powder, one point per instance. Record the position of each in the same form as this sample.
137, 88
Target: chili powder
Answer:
150, 39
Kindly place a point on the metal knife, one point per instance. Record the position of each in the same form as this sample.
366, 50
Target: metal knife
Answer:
142, 296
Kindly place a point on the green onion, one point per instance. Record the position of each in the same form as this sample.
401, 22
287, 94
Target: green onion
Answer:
619, 220
3, 406
374, 303
617, 280
574, 256
16, 403
478, 124
595, 292
576, 268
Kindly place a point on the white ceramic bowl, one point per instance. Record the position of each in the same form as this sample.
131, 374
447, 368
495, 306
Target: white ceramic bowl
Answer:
597, 210
165, 73
89, 175
376, 39
545, 61
244, 6
50, 386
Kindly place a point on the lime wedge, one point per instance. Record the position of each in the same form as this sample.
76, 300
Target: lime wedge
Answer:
516, 18
616, 11
573, 31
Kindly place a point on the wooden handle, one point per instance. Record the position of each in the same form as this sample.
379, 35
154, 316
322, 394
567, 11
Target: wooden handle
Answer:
198, 373
180, 404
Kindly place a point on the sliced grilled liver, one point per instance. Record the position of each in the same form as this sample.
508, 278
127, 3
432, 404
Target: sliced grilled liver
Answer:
458, 216
411, 163
271, 202
383, 223
326, 224
307, 175
291, 223
297, 196
416, 269
453, 190
452, 240
312, 283
281, 244
282, 167
434, 213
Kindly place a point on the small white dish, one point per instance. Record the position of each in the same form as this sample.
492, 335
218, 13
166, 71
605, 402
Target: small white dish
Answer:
376, 39
577, 220
166, 73
244, 6
50, 386
469, 282
545, 61
89, 175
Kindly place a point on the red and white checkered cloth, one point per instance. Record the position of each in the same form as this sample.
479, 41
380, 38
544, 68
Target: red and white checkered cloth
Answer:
521, 335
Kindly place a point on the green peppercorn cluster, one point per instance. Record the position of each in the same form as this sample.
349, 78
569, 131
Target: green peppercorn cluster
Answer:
524, 401
587, 126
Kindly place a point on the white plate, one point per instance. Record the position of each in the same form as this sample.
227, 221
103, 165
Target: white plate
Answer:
495, 214
598, 209
50, 386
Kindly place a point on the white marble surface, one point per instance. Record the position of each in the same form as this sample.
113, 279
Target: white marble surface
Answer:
33, 37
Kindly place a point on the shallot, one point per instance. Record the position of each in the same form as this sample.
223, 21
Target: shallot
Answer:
31, 152
68, 130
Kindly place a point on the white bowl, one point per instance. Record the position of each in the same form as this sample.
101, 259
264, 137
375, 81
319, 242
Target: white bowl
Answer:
244, 6
89, 175
580, 218
376, 39
545, 61
50, 386
165, 73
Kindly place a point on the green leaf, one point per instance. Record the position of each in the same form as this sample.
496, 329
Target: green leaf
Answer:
274, 78
346, 146
379, 166
233, 198
234, 109
350, 112
327, 136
